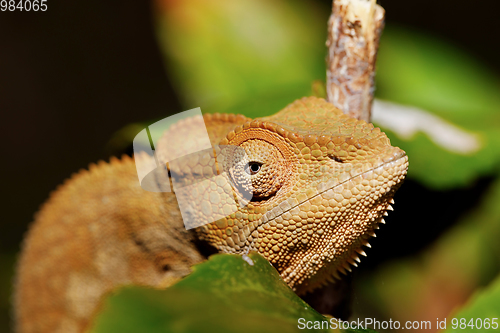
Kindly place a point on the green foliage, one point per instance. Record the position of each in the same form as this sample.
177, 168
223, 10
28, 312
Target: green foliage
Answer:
414, 69
224, 294
224, 59
417, 69
466, 257
479, 313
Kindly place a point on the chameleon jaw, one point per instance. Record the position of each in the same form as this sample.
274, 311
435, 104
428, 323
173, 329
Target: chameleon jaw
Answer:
329, 271
327, 265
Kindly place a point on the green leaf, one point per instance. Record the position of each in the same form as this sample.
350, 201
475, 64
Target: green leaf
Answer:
418, 70
224, 294
483, 307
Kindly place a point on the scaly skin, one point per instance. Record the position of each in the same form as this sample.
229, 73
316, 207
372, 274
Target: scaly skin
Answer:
324, 184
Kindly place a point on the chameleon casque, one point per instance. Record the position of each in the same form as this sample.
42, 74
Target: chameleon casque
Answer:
322, 182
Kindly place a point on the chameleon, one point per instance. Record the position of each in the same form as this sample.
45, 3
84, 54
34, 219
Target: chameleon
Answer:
322, 183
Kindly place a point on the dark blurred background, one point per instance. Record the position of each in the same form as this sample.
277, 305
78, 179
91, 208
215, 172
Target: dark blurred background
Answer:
72, 76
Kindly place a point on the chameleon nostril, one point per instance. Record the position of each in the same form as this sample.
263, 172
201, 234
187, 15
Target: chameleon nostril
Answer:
335, 158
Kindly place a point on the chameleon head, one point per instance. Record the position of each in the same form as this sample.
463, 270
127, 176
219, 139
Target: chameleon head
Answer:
321, 183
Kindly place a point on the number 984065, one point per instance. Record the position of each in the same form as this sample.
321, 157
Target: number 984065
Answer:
23, 5
479, 323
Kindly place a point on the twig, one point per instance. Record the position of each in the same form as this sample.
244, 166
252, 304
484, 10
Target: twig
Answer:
354, 30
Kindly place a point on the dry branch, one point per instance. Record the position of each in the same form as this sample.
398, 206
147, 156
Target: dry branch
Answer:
354, 31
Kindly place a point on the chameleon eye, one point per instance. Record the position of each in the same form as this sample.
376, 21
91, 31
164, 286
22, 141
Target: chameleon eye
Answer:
258, 170
253, 167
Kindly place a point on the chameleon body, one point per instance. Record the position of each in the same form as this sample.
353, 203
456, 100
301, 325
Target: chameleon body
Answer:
321, 183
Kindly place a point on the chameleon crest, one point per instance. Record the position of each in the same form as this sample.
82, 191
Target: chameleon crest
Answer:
320, 184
